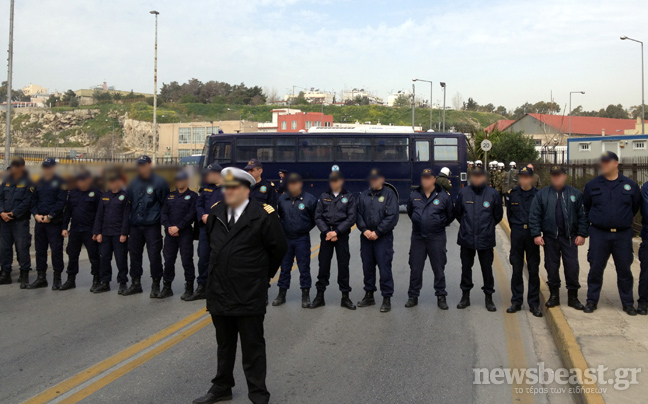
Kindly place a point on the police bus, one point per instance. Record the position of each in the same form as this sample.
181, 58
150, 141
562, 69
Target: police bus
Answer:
354, 151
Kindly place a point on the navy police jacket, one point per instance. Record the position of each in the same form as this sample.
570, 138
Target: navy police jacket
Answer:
147, 197
542, 217
297, 214
81, 209
644, 211
611, 204
16, 196
209, 195
430, 216
518, 206
113, 215
378, 211
335, 213
179, 209
50, 197
264, 192
478, 210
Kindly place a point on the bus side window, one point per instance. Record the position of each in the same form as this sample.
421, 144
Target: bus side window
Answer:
446, 149
353, 149
222, 152
254, 148
392, 150
422, 150
315, 149
285, 150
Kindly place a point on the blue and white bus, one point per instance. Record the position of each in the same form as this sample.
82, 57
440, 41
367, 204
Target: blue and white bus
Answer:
401, 156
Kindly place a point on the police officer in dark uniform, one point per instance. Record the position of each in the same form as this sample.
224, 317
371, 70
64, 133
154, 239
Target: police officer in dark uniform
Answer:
611, 201
642, 307
431, 210
263, 191
281, 187
146, 193
558, 223
297, 214
178, 217
377, 217
210, 193
518, 205
334, 216
248, 245
478, 210
81, 210
48, 205
110, 230
16, 193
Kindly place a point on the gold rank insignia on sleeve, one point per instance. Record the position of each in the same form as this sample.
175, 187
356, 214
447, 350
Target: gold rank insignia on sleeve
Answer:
509, 191
215, 204
268, 208
272, 183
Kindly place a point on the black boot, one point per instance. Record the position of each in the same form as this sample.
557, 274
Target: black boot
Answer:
56, 281
199, 294
189, 291
318, 301
411, 302
514, 308
590, 308
642, 309
441, 302
103, 287
346, 302
490, 306
95, 283
386, 305
572, 299
155, 288
166, 291
281, 297
367, 300
630, 310
214, 397
70, 282
135, 287
24, 279
40, 282
305, 298
5, 278
123, 287
535, 311
465, 300
554, 297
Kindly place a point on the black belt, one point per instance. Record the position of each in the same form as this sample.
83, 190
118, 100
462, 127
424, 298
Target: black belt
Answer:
525, 226
611, 230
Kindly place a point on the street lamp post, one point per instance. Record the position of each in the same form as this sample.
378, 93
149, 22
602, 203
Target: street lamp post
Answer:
413, 105
570, 107
443, 85
240, 118
643, 102
431, 86
9, 77
155, 89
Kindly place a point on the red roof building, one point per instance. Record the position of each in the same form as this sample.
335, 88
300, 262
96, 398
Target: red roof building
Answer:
499, 126
303, 121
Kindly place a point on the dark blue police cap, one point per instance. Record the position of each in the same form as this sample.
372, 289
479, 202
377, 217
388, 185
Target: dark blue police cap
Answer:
428, 173
83, 175
254, 163
49, 162
526, 171
555, 170
294, 177
144, 160
478, 171
182, 175
336, 176
375, 173
609, 156
214, 168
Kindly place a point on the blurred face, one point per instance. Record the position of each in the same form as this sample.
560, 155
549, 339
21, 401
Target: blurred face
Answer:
115, 185
213, 178
84, 184
144, 170
478, 180
256, 173
609, 167
525, 181
17, 171
377, 183
48, 172
182, 184
336, 186
295, 188
530, 166
235, 196
282, 175
428, 182
558, 181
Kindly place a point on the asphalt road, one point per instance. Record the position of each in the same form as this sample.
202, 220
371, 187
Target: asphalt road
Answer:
75, 346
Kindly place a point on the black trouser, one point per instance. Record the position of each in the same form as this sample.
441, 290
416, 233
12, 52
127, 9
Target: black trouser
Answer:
643, 274
521, 244
76, 240
151, 236
564, 247
604, 243
343, 255
250, 330
485, 261
183, 243
15, 232
108, 246
378, 253
49, 235
420, 250
204, 250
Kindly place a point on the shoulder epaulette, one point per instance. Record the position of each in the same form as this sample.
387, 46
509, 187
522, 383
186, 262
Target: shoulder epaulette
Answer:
272, 183
447, 192
509, 191
215, 204
268, 208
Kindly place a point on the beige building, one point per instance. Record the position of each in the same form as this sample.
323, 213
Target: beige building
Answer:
636, 130
34, 90
179, 140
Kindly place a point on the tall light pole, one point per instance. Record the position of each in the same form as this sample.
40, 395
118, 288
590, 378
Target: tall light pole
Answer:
643, 102
443, 85
9, 76
431, 86
413, 105
240, 118
570, 107
155, 90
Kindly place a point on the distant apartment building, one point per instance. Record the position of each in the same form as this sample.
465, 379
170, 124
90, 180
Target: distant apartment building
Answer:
273, 125
355, 93
303, 121
313, 96
34, 90
391, 100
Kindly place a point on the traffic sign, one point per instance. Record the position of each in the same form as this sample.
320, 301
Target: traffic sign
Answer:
486, 145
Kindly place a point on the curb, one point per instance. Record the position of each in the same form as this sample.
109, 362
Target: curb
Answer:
568, 347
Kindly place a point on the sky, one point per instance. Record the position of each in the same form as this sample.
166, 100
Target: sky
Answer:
504, 52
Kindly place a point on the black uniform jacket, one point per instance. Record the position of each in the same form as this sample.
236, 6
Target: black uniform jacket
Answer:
542, 217
81, 209
243, 259
16, 196
335, 213
430, 216
478, 210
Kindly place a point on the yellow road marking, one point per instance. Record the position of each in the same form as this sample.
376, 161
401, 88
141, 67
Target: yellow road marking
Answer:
514, 343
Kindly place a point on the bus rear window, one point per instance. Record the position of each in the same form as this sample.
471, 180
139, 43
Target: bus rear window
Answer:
445, 149
254, 148
391, 150
315, 149
354, 149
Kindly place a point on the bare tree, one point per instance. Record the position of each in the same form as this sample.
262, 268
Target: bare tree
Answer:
457, 101
272, 95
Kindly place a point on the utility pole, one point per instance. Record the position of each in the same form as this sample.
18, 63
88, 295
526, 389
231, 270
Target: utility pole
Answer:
413, 105
9, 76
155, 90
443, 85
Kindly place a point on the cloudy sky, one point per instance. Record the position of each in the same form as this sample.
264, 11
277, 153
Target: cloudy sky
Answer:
500, 51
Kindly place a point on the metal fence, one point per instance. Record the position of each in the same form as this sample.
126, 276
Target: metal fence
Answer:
64, 157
